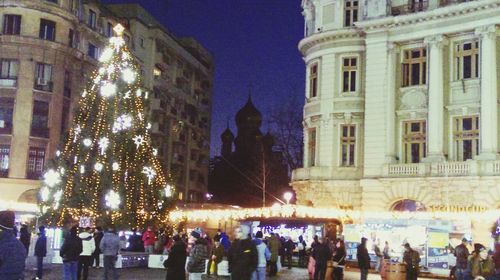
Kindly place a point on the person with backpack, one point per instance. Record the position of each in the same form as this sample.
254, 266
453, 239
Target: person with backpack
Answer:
412, 260
301, 247
339, 260
88, 248
263, 254
70, 253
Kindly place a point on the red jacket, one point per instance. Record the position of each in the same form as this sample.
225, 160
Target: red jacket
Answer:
148, 237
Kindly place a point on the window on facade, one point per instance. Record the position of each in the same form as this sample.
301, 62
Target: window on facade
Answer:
65, 116
157, 72
312, 147
11, 25
414, 67
67, 84
92, 20
93, 51
52, 1
348, 144
109, 30
6, 110
43, 78
418, 5
8, 72
36, 162
313, 80
467, 60
47, 30
414, 137
351, 12
4, 160
466, 137
349, 69
40, 119
141, 42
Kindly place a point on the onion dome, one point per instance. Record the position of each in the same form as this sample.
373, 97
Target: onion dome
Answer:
227, 135
249, 116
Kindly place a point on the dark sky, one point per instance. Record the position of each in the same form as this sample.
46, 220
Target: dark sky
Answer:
254, 42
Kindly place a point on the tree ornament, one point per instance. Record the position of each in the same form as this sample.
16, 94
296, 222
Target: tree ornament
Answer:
87, 142
103, 144
128, 75
108, 89
138, 140
112, 199
123, 122
115, 166
149, 172
51, 178
106, 55
82, 169
44, 194
98, 166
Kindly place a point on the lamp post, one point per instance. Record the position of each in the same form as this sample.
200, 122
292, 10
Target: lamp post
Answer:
287, 196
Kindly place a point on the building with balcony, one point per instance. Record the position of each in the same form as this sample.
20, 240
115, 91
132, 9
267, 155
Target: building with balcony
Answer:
401, 106
48, 50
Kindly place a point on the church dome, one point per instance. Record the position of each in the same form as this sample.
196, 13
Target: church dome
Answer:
227, 135
249, 116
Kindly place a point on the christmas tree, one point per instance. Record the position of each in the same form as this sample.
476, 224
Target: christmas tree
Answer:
107, 171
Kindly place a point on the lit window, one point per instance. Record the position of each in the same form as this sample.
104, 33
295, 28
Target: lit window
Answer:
8, 72
11, 24
467, 60
312, 147
157, 72
414, 137
348, 144
418, 5
36, 162
414, 67
349, 69
43, 77
6, 109
313, 80
466, 137
4, 160
351, 12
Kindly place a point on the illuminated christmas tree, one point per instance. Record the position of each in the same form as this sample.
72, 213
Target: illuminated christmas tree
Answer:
108, 171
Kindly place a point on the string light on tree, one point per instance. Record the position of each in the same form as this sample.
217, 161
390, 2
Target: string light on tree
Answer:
111, 115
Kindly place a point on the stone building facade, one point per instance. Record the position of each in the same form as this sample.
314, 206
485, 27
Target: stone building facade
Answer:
48, 50
401, 104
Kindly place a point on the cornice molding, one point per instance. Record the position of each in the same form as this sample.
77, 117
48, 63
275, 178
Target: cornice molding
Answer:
435, 14
329, 36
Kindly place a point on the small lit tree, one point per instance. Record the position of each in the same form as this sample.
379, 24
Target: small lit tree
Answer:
108, 171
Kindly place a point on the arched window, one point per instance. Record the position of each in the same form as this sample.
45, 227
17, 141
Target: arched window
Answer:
408, 205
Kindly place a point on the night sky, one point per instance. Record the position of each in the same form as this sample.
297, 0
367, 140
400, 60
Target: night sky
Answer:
254, 44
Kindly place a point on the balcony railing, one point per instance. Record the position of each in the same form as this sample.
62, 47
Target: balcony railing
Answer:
413, 7
43, 85
443, 169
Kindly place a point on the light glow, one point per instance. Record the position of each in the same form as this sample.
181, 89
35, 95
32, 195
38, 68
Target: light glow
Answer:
52, 178
112, 199
108, 90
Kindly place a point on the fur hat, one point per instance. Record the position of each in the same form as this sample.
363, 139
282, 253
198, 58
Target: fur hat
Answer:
7, 219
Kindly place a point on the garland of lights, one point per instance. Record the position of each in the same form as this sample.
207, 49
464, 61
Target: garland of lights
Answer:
108, 168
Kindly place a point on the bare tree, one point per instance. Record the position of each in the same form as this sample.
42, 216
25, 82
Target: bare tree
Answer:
286, 125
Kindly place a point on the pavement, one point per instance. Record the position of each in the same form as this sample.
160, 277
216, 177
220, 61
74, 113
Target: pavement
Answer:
54, 272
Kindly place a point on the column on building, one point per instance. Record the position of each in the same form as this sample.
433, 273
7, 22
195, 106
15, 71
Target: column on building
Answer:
392, 52
489, 91
435, 122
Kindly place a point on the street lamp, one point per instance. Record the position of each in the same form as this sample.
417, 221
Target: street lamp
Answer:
287, 196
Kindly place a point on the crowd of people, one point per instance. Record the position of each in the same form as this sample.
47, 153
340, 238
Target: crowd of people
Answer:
478, 264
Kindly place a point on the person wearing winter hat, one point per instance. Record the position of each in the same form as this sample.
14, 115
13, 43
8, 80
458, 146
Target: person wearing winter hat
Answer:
70, 252
242, 257
482, 264
88, 248
12, 251
197, 256
40, 251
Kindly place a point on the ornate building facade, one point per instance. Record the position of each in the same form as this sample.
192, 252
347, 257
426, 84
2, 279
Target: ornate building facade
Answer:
47, 51
401, 105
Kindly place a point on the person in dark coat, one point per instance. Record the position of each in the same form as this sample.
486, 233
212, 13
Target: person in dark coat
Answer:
25, 237
135, 242
301, 246
12, 251
176, 261
289, 247
198, 256
321, 255
217, 255
242, 257
70, 253
40, 251
412, 260
363, 259
339, 260
462, 254
96, 256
